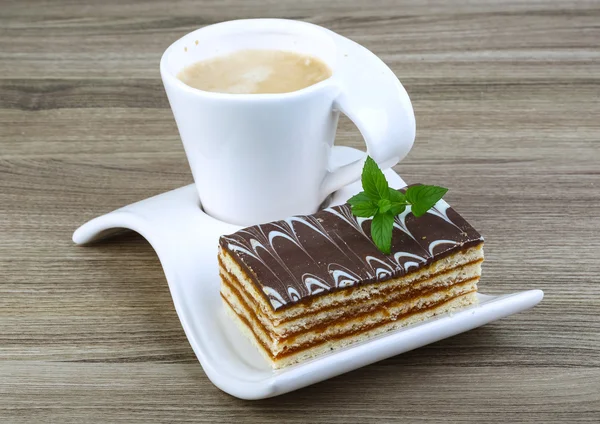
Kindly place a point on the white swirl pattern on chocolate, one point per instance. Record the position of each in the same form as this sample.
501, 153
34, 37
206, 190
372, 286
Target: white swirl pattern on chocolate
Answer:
342, 276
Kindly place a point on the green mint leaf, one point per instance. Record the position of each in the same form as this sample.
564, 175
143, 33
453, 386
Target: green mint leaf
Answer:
373, 181
397, 196
424, 197
381, 231
362, 205
397, 208
398, 200
359, 198
364, 210
384, 205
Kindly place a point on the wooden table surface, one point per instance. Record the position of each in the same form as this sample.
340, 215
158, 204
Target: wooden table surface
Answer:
507, 100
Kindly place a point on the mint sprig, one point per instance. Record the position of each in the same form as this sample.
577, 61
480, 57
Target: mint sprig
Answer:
383, 203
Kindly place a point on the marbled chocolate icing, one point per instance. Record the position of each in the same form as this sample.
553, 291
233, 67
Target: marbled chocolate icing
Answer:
301, 257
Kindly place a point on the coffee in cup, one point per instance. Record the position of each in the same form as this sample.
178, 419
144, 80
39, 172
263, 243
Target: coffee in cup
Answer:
256, 72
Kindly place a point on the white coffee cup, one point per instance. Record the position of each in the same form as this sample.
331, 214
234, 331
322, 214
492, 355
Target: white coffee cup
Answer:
261, 157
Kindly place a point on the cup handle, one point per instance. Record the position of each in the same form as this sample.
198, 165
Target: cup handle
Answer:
375, 100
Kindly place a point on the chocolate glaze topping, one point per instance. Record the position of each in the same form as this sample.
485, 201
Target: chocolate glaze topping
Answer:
302, 257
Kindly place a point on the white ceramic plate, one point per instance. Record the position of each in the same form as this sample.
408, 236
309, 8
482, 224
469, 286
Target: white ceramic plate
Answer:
185, 240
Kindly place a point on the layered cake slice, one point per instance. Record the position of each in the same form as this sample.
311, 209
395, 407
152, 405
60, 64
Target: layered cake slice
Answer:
307, 285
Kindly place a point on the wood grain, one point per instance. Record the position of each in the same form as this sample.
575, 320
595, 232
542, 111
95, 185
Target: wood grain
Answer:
507, 99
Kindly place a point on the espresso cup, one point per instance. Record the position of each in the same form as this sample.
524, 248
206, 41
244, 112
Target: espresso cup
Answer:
261, 157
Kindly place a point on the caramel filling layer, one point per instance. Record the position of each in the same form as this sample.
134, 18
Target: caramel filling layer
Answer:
287, 351
233, 284
254, 306
321, 326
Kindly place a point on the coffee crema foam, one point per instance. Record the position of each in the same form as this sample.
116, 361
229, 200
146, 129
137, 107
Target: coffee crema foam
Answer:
256, 72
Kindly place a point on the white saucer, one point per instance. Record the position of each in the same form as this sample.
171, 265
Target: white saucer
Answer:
185, 240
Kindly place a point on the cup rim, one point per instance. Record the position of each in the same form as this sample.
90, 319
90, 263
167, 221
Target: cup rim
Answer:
167, 75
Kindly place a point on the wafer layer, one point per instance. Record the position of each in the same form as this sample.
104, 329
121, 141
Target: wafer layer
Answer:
337, 343
460, 267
